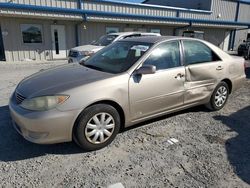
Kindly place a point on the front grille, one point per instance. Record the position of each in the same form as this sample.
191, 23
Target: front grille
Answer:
19, 98
73, 53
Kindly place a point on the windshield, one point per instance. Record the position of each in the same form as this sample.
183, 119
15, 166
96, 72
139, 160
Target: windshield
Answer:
118, 57
105, 40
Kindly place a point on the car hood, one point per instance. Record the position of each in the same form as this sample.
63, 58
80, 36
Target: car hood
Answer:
88, 48
58, 80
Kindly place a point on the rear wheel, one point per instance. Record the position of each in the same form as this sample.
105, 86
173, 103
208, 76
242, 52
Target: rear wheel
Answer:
219, 97
97, 127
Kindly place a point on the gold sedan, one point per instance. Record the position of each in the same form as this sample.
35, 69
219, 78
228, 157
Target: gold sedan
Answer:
125, 83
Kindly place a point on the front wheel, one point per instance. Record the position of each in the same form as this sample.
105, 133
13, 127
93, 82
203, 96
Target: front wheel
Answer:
97, 127
219, 97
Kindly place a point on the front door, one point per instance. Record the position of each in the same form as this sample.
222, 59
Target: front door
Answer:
204, 70
2, 54
154, 93
58, 41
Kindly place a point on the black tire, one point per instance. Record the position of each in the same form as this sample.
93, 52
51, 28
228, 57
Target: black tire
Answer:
212, 105
80, 130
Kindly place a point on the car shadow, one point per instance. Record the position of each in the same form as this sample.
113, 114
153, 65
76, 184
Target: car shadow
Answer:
13, 147
200, 108
238, 147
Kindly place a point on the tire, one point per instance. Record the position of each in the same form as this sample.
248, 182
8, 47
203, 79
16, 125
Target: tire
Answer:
97, 127
219, 97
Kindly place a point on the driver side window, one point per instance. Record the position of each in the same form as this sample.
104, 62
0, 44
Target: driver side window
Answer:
165, 56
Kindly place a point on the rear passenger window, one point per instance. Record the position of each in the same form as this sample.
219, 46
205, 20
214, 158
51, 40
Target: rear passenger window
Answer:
165, 56
197, 52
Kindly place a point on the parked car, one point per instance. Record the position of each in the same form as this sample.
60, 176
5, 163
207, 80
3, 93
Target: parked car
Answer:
243, 48
127, 82
82, 52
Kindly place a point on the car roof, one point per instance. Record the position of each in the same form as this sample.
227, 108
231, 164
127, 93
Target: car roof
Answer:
132, 33
150, 39
156, 39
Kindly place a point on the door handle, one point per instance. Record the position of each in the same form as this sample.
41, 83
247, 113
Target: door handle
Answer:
219, 68
179, 75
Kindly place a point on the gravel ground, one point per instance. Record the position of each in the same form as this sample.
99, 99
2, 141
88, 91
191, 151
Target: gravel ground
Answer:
213, 148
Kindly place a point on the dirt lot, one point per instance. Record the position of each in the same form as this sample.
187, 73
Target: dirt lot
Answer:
213, 148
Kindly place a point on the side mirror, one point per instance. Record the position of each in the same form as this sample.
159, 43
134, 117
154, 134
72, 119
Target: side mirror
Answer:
244, 40
146, 69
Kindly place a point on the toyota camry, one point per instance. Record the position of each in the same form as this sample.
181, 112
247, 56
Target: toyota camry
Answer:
125, 83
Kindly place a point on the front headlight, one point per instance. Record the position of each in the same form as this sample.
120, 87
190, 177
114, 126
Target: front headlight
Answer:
86, 53
43, 103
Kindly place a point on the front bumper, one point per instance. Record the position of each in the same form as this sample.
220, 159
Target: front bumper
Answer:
46, 127
75, 59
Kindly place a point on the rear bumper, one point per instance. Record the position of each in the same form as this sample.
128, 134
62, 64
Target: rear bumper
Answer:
47, 127
238, 82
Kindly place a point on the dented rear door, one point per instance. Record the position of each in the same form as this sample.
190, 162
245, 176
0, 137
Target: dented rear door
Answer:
204, 69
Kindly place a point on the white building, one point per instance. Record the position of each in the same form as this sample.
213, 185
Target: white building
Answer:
47, 29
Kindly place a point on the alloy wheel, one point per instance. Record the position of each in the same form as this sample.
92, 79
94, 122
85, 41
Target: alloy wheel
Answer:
221, 96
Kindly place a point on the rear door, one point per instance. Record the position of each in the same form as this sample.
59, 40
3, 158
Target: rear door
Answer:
204, 69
